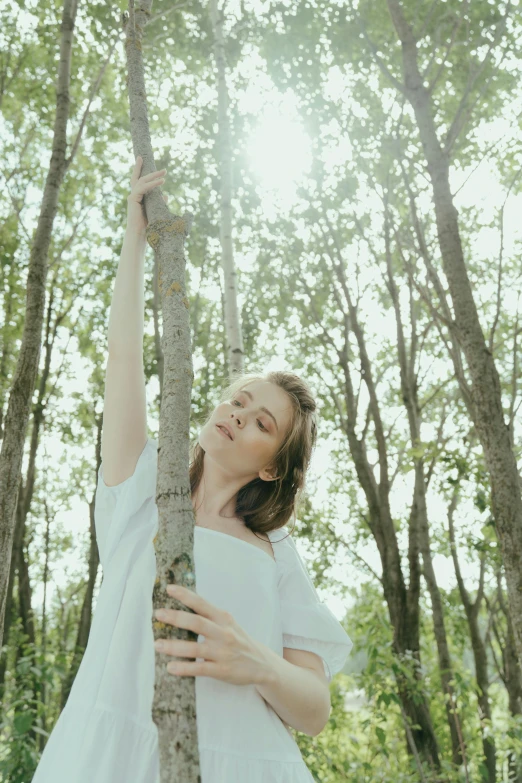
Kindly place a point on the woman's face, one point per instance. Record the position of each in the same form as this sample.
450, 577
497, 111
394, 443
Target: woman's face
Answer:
257, 419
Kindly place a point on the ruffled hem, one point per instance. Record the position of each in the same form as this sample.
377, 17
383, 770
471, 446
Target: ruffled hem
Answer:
97, 743
219, 766
92, 743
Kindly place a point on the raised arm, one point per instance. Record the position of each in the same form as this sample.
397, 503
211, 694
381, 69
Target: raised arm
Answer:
124, 410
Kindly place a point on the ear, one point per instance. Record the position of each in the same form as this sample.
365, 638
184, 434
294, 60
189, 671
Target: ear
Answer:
267, 474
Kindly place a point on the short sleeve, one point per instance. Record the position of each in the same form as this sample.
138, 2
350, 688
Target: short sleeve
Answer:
307, 623
119, 506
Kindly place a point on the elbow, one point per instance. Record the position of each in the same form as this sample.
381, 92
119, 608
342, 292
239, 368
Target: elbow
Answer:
319, 729
325, 717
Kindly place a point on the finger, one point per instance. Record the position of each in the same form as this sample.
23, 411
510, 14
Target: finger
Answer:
165, 198
182, 649
192, 622
153, 175
153, 183
136, 170
143, 187
197, 603
197, 669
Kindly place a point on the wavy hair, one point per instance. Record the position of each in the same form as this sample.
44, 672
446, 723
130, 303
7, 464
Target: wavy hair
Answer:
268, 505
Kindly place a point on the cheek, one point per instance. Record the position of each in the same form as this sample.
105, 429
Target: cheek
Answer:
260, 446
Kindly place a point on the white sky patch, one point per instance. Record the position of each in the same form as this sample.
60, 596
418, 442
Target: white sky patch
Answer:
280, 154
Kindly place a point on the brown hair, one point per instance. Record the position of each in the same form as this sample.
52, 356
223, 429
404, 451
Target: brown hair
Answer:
268, 505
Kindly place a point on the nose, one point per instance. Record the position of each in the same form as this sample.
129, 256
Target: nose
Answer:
235, 415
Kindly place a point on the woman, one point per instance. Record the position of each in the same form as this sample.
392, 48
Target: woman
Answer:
266, 647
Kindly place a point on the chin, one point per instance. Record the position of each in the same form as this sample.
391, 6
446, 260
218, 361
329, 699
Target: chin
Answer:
208, 440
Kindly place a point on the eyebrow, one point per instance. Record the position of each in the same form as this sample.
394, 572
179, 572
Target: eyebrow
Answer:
263, 409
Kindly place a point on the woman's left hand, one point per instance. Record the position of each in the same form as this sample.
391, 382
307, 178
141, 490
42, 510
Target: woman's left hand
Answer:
229, 653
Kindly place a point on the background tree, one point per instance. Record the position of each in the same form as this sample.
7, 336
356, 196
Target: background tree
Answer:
233, 330
331, 191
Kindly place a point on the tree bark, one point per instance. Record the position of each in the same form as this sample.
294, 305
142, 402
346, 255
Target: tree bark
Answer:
18, 408
488, 415
514, 689
402, 599
84, 626
409, 390
509, 671
233, 331
174, 704
478, 646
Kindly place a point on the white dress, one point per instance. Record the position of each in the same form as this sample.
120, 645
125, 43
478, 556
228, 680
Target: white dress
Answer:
105, 732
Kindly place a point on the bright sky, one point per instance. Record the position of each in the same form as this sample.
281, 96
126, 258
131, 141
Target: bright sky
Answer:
280, 155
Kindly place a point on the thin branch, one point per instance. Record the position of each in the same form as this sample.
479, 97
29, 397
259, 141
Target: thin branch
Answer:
500, 260
456, 28
514, 378
463, 112
396, 83
94, 90
487, 153
166, 12
439, 443
342, 542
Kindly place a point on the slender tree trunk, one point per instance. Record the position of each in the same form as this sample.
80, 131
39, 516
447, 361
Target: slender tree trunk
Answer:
402, 600
25, 498
22, 388
42, 739
10, 604
84, 626
174, 704
156, 304
511, 676
233, 331
514, 689
7, 338
410, 399
478, 646
486, 394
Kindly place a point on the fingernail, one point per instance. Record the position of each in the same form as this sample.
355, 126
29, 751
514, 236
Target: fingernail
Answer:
159, 645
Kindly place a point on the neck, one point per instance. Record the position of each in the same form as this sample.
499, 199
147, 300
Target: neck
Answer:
217, 491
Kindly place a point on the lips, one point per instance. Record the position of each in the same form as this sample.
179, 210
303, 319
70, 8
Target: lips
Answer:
226, 429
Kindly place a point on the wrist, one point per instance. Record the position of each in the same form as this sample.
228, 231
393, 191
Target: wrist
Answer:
269, 671
137, 234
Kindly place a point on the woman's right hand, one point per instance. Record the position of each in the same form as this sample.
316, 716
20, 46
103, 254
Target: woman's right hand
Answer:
136, 219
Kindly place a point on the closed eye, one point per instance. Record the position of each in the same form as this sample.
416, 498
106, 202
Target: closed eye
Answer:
262, 426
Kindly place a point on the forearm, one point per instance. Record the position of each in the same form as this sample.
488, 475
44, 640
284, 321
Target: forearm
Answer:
296, 694
126, 318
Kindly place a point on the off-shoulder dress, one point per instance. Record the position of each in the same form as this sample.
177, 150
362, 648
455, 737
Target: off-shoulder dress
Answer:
105, 732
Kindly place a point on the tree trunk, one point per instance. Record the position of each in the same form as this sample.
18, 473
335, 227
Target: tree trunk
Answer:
514, 689
25, 498
157, 333
403, 603
84, 626
487, 409
174, 704
409, 390
19, 405
512, 679
10, 605
402, 600
479, 648
233, 331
